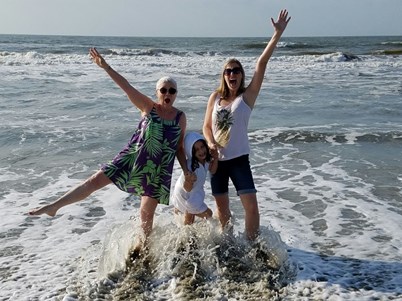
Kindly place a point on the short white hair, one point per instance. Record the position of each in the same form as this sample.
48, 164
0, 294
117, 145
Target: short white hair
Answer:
165, 79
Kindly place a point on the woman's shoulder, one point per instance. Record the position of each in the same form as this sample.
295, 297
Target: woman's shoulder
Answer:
181, 117
180, 113
215, 94
151, 107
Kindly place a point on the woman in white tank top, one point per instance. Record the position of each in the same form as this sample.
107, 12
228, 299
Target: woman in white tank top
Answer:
225, 129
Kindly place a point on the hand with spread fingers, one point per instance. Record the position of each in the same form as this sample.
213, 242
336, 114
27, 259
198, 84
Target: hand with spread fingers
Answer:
98, 59
282, 22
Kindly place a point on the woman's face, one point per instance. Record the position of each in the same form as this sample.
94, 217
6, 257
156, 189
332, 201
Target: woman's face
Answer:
233, 76
166, 94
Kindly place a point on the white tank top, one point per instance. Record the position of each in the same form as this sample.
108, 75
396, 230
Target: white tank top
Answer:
229, 127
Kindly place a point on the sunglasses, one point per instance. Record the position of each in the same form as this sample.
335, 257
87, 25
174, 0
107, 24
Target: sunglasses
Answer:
172, 91
228, 71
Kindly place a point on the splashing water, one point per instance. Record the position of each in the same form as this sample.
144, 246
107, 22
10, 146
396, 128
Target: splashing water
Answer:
194, 262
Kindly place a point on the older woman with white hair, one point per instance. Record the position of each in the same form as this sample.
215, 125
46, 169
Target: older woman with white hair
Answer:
144, 167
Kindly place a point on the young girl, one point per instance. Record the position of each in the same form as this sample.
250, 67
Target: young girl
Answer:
188, 195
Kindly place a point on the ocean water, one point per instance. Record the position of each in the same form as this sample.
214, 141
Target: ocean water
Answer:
326, 140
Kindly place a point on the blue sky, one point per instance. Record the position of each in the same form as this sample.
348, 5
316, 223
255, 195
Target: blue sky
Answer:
199, 18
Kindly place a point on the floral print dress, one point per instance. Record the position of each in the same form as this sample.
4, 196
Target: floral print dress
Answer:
144, 167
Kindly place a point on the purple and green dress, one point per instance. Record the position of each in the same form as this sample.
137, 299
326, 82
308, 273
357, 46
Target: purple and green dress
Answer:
144, 167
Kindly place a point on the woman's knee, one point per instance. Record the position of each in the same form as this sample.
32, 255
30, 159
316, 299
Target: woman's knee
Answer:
148, 207
222, 200
97, 181
250, 203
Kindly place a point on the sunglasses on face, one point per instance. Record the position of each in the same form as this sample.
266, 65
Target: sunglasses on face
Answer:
228, 71
172, 91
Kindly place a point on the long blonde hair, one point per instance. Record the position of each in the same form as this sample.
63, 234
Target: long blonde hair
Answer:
223, 89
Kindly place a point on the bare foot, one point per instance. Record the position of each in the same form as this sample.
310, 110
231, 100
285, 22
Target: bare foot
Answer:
139, 251
48, 209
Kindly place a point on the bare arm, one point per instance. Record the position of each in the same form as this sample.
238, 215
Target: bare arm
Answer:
141, 101
213, 165
207, 127
189, 177
189, 180
251, 93
180, 152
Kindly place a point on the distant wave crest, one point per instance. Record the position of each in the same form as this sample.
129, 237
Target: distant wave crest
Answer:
306, 136
143, 52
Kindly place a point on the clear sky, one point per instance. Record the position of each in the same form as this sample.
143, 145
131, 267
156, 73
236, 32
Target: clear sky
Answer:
199, 18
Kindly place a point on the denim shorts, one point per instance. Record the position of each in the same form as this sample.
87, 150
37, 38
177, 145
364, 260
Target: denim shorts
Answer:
239, 171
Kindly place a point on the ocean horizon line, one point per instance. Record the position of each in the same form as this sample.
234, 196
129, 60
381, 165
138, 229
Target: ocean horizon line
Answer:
192, 37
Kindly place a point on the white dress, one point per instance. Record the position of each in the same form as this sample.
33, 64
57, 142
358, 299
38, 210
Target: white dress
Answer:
192, 201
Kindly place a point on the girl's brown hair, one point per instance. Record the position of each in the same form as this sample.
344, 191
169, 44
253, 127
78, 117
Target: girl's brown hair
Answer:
194, 162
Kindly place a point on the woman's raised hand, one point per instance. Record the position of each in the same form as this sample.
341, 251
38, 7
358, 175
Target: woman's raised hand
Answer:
282, 21
98, 59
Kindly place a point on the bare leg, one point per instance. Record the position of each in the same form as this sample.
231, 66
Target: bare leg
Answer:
147, 211
188, 218
206, 214
222, 204
252, 215
148, 207
80, 192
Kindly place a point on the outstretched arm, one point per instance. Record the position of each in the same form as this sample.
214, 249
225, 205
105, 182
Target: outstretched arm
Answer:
141, 101
251, 93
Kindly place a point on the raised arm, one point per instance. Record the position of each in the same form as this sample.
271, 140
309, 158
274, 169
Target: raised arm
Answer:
141, 101
251, 93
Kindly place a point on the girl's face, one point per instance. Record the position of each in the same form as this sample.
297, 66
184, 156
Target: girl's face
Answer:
200, 151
